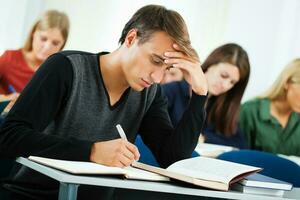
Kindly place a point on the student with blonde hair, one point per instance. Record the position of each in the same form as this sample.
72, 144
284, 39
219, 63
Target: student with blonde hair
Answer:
272, 120
47, 36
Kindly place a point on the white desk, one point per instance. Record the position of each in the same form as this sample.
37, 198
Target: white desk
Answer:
69, 184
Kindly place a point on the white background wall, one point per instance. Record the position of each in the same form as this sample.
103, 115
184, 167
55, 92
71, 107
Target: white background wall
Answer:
269, 30
17, 17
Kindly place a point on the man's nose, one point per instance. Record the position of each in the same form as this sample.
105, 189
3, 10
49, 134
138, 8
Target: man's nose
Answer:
157, 75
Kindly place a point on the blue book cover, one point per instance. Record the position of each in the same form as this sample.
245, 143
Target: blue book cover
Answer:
261, 181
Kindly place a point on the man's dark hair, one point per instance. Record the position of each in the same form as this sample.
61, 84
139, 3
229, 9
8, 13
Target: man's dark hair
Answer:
153, 18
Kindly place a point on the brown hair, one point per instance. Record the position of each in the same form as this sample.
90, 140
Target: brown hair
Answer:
153, 18
50, 19
224, 109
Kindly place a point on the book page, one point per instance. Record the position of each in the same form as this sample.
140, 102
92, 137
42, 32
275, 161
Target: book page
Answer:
294, 159
210, 169
182, 177
139, 174
77, 167
212, 150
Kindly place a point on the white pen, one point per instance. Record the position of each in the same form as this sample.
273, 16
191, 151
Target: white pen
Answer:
122, 135
121, 132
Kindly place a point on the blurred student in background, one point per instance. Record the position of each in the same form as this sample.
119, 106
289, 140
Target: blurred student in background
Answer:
272, 121
47, 36
173, 74
227, 72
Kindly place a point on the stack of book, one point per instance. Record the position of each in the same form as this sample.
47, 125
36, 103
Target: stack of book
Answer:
263, 185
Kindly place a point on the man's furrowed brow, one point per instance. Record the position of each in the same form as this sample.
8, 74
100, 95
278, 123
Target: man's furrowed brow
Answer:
158, 56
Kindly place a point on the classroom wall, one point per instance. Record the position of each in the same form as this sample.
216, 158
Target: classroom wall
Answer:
98, 24
17, 17
269, 30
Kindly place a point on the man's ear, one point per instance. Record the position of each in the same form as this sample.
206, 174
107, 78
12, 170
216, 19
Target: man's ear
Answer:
131, 37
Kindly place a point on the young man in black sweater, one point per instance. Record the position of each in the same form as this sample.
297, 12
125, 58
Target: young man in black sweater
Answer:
70, 108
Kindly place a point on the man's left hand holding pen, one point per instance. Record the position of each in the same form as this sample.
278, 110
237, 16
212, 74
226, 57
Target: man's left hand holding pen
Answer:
115, 153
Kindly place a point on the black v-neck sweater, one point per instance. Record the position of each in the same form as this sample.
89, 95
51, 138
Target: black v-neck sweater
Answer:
65, 109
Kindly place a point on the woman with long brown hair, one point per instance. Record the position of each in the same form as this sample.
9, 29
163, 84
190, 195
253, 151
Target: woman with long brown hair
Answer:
227, 71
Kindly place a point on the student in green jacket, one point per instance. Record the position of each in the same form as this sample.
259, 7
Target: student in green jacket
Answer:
272, 121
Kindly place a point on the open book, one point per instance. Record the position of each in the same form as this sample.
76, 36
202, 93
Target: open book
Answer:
76, 167
203, 171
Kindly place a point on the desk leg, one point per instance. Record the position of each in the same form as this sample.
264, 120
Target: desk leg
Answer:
67, 191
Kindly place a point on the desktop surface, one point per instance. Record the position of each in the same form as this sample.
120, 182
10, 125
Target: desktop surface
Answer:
160, 187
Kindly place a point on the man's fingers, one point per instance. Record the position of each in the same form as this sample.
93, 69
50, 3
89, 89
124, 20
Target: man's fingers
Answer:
176, 47
179, 55
183, 54
182, 67
179, 63
172, 61
128, 153
118, 164
125, 161
174, 54
133, 149
118, 152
